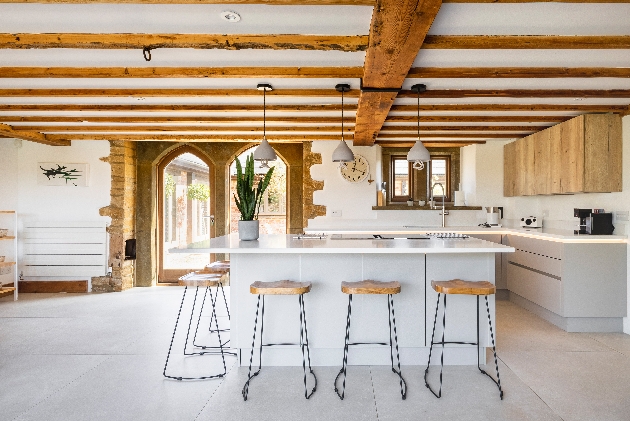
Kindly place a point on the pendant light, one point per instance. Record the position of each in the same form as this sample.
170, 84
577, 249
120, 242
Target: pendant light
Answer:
342, 153
418, 154
264, 152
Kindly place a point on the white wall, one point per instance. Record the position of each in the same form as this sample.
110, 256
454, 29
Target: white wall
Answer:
9, 173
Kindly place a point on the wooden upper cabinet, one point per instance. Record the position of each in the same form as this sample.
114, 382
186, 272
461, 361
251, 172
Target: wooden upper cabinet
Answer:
578, 156
509, 169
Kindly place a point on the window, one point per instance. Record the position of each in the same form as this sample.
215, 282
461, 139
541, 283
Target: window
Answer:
401, 180
440, 173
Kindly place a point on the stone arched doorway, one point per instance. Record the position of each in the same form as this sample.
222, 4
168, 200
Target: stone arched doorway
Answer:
185, 211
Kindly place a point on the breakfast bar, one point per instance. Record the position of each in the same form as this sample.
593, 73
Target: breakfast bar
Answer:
326, 261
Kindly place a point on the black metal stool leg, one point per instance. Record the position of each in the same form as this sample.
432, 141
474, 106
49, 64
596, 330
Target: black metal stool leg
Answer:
192, 312
426, 372
345, 352
392, 317
251, 357
303, 344
494, 350
173, 337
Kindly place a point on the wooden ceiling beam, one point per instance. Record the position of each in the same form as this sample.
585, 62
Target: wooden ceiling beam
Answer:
348, 43
528, 42
270, 129
434, 144
293, 120
517, 72
517, 93
268, 2
180, 72
146, 93
10, 131
594, 108
397, 32
194, 137
310, 72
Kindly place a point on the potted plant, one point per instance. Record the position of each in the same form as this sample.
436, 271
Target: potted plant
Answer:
248, 198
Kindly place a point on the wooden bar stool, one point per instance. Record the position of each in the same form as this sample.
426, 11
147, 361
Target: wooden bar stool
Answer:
221, 267
207, 281
281, 288
457, 286
371, 287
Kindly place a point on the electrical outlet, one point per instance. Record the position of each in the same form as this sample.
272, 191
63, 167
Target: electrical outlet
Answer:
622, 215
335, 214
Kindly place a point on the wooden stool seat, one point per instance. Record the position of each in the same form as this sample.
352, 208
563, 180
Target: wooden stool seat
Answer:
196, 279
370, 287
280, 288
222, 266
458, 286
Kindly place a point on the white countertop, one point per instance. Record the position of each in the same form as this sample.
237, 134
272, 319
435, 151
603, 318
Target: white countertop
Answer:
281, 243
550, 234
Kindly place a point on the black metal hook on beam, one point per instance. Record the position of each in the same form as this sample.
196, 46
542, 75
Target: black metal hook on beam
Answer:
146, 52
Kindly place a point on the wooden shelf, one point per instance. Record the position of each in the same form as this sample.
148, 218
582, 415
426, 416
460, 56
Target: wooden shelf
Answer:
7, 237
1, 211
6, 291
5, 264
426, 207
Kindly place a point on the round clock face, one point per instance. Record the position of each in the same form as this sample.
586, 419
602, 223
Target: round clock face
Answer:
356, 171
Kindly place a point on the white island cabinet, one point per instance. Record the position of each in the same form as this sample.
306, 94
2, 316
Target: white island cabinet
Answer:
328, 261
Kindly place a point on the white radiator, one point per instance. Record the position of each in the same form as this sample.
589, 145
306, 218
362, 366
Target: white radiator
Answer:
63, 250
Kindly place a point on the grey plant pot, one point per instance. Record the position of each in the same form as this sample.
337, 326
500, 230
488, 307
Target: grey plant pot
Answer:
248, 230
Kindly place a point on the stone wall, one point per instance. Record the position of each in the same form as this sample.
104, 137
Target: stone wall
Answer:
122, 211
310, 210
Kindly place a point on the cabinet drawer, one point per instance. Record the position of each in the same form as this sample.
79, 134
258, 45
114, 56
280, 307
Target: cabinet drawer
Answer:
537, 288
536, 261
534, 245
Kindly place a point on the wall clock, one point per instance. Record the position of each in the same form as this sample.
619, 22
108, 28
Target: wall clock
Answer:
357, 170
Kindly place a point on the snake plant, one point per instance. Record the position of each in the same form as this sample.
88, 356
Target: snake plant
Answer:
248, 198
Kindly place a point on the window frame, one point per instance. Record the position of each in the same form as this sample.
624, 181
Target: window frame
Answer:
392, 175
447, 184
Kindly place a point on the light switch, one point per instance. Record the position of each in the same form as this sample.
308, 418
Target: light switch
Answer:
335, 214
621, 215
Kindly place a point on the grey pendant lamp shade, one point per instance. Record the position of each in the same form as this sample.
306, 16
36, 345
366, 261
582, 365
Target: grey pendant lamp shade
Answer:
264, 152
418, 154
342, 153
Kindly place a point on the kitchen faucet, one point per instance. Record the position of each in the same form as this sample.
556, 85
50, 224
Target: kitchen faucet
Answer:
444, 211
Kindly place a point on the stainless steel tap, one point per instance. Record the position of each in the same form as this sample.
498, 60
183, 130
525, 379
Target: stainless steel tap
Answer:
444, 211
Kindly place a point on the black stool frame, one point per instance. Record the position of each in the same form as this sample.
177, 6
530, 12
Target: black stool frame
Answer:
193, 353
392, 321
303, 344
426, 372
227, 308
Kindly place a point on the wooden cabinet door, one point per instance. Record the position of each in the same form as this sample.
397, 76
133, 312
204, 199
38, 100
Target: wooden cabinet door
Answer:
555, 158
572, 149
602, 153
509, 169
542, 163
519, 160
527, 167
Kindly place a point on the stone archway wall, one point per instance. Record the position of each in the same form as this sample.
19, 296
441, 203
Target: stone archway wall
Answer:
310, 186
122, 211
221, 154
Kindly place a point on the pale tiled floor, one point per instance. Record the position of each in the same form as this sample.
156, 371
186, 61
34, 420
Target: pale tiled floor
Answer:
100, 357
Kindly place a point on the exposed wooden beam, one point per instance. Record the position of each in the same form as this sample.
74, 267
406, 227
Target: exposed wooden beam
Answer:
195, 92
310, 108
459, 135
199, 41
288, 119
176, 107
397, 32
517, 93
435, 144
180, 72
10, 131
518, 72
270, 128
195, 137
269, 2
537, 42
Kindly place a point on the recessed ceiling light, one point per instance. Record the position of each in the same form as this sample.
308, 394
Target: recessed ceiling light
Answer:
230, 16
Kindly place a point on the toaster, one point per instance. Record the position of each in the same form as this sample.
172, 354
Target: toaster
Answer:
531, 222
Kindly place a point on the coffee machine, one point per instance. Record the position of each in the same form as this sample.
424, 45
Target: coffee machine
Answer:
593, 222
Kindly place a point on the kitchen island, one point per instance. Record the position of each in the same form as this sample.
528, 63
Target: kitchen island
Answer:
327, 261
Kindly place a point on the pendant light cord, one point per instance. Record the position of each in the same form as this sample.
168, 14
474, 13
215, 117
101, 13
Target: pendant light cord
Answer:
265, 113
418, 115
342, 91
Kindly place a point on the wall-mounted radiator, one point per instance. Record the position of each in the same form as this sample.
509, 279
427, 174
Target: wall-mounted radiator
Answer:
63, 250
